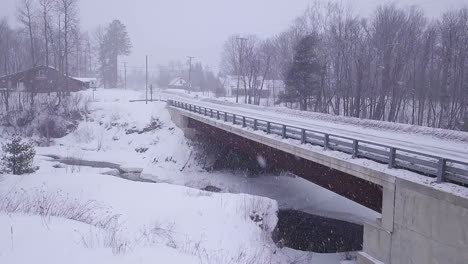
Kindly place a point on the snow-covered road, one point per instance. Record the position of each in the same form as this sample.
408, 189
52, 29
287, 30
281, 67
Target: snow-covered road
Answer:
450, 149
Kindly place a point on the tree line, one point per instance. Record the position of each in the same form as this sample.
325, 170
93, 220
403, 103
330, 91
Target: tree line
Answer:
396, 65
49, 34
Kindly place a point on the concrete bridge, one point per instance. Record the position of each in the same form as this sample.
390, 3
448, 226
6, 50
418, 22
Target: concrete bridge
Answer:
422, 197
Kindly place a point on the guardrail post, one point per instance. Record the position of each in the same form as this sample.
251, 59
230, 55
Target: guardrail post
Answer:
303, 136
217, 114
391, 158
205, 112
243, 121
355, 149
441, 170
225, 116
234, 119
326, 142
268, 128
190, 107
211, 113
284, 131
255, 124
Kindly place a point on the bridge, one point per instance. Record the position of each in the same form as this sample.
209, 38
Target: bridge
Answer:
421, 195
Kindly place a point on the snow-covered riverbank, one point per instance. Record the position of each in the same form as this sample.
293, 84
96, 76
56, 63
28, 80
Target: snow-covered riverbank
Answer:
156, 221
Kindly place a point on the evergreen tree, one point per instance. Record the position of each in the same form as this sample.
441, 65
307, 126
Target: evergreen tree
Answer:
303, 77
115, 43
18, 156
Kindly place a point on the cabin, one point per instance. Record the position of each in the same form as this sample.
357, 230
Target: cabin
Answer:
40, 79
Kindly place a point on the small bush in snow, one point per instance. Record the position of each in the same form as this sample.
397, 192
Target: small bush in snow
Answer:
153, 125
18, 156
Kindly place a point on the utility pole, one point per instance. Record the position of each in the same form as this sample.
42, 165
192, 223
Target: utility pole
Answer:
190, 73
146, 79
240, 66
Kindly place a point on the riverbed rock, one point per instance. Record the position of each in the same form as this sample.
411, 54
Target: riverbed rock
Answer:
211, 188
113, 172
130, 173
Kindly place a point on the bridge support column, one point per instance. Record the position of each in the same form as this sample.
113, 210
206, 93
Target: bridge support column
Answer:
427, 226
378, 234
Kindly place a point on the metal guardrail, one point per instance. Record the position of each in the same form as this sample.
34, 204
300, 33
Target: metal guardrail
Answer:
429, 165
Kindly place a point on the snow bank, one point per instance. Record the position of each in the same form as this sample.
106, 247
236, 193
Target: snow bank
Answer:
192, 222
30, 239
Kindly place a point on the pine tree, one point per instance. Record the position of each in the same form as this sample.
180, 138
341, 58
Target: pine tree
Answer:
18, 156
303, 77
115, 42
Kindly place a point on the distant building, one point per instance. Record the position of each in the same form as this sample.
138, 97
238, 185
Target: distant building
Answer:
178, 83
88, 82
270, 88
40, 79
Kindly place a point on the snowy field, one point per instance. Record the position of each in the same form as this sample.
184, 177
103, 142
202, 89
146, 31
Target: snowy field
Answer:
76, 214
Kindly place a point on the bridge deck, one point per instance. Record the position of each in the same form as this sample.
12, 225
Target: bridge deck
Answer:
443, 160
430, 145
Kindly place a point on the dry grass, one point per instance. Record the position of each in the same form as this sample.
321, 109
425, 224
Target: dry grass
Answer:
57, 204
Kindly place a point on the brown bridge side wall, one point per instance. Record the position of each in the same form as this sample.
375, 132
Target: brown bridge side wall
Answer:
363, 192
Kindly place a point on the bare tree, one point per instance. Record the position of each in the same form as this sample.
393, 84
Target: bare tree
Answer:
26, 18
69, 10
46, 9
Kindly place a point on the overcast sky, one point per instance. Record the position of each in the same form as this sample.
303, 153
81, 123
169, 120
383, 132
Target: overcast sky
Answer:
173, 29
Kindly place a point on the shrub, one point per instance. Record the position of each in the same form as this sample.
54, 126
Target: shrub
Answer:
52, 126
153, 125
18, 156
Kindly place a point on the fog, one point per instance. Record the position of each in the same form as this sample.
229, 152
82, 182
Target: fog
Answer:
171, 30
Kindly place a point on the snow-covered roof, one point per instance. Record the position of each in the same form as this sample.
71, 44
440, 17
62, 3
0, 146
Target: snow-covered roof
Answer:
36, 67
179, 82
84, 79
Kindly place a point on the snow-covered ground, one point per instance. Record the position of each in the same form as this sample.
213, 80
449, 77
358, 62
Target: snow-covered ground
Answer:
75, 214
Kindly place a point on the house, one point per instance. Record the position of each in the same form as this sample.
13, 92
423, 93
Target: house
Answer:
40, 79
178, 83
88, 82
